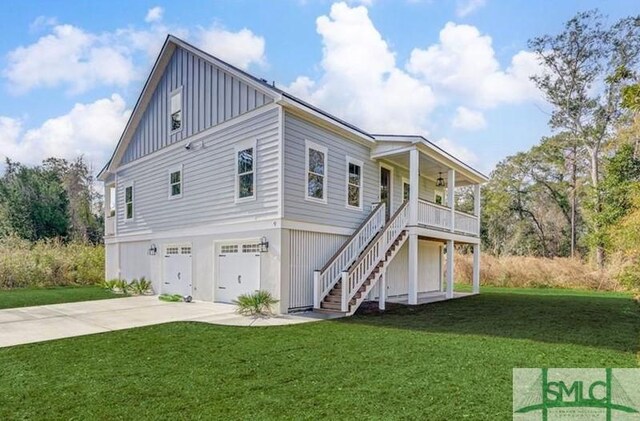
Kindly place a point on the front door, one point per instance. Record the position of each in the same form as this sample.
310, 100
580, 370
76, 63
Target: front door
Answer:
385, 189
238, 271
177, 270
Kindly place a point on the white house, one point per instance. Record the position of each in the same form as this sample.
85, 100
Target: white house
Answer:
222, 184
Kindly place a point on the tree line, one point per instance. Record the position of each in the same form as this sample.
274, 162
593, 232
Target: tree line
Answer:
56, 199
577, 192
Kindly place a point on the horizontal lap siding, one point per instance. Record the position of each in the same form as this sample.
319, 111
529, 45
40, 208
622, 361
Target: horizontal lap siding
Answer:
210, 96
334, 213
208, 181
308, 251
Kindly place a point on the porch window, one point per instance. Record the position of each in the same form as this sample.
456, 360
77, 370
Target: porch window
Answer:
316, 173
406, 189
245, 171
175, 183
439, 198
354, 183
128, 202
176, 109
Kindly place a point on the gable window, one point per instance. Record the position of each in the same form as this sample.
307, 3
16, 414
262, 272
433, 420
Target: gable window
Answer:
354, 183
245, 171
176, 110
316, 172
175, 183
128, 202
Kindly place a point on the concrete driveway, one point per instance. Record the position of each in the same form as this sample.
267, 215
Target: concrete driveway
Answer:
42, 323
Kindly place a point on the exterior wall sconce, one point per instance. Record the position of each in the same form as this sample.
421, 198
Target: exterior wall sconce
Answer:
264, 245
152, 250
440, 180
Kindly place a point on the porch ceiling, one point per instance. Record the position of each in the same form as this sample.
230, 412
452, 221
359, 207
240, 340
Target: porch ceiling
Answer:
429, 168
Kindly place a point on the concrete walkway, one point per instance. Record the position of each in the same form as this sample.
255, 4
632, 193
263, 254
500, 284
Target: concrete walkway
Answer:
42, 323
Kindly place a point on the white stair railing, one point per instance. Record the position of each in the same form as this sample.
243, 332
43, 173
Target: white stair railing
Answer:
326, 278
353, 278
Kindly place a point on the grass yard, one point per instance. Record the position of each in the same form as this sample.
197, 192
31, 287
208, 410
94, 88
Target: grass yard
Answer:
24, 297
449, 360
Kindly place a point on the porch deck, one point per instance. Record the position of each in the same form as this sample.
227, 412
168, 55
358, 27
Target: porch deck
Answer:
429, 297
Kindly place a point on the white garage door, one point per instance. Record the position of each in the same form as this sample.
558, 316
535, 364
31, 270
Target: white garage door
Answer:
238, 270
177, 270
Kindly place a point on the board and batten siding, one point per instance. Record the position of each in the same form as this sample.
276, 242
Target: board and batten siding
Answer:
210, 96
308, 251
208, 172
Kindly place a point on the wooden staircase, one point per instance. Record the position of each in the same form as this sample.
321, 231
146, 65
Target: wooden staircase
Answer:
343, 292
333, 301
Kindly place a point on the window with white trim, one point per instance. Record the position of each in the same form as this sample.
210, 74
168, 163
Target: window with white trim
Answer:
439, 198
175, 183
354, 183
316, 172
245, 158
128, 202
175, 104
406, 190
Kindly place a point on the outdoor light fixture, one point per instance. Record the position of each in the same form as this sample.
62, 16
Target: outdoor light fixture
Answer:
264, 245
152, 250
440, 180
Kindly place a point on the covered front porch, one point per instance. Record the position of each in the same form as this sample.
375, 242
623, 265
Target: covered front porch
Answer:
433, 218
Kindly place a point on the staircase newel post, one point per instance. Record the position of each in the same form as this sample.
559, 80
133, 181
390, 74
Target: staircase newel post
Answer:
344, 306
316, 289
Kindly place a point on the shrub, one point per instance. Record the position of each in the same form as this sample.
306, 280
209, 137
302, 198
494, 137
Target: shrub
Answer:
140, 287
256, 303
49, 263
170, 297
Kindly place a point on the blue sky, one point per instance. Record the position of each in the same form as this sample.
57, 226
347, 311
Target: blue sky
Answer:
454, 70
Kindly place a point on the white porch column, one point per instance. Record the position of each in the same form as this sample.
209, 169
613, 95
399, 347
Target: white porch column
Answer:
451, 196
412, 289
476, 268
414, 185
382, 290
476, 204
450, 254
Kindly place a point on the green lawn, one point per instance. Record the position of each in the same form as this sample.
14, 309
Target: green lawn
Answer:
450, 360
41, 296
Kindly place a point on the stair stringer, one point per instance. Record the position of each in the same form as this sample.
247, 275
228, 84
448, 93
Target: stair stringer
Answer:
387, 261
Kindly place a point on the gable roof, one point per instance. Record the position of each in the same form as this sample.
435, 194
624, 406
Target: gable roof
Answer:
282, 97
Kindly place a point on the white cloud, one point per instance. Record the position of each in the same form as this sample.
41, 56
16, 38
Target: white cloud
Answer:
361, 81
154, 14
242, 48
463, 64
367, 3
468, 119
466, 7
462, 153
90, 129
68, 56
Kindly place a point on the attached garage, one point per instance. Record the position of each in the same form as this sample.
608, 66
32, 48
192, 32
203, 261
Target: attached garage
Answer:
176, 270
238, 270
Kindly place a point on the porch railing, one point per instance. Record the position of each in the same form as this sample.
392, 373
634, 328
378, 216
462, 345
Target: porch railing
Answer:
437, 216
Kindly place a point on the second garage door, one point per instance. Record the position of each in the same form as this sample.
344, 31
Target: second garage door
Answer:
238, 270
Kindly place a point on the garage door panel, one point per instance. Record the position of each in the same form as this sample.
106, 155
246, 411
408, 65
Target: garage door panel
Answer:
238, 271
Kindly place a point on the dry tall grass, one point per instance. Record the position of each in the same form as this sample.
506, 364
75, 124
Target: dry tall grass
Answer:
536, 272
49, 263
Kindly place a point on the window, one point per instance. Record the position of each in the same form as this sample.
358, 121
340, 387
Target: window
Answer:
316, 170
354, 183
185, 250
406, 190
176, 110
438, 198
251, 248
112, 201
172, 250
175, 183
128, 202
245, 171
229, 249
